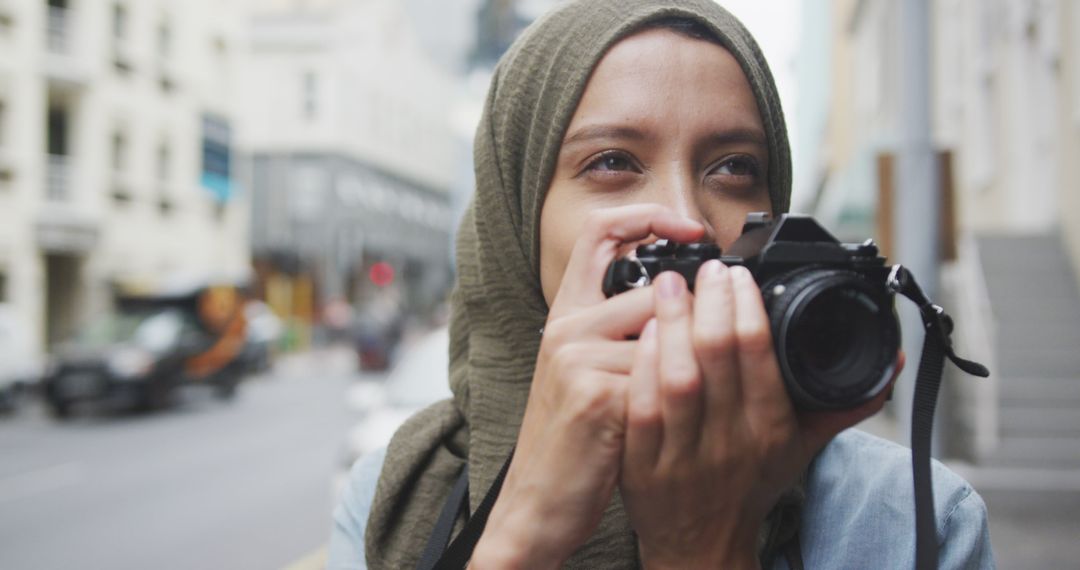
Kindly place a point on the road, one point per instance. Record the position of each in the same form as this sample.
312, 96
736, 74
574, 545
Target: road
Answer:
204, 484
248, 483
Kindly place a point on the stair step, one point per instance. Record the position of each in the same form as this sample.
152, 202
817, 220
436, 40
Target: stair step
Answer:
1035, 302
1037, 452
1050, 389
1048, 394
984, 478
1027, 311
1065, 336
1039, 421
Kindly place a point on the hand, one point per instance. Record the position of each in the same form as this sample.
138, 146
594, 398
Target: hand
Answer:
712, 438
569, 450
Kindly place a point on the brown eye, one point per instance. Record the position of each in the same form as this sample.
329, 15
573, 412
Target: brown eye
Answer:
612, 161
740, 166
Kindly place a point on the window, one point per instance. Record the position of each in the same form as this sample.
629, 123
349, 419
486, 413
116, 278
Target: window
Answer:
164, 167
121, 60
7, 21
119, 21
3, 123
5, 165
164, 159
310, 95
56, 142
120, 192
119, 152
164, 48
164, 39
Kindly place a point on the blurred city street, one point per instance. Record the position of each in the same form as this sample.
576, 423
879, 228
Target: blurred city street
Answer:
199, 192
206, 483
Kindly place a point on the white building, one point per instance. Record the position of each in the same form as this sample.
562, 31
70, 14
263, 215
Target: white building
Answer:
1004, 85
115, 148
355, 157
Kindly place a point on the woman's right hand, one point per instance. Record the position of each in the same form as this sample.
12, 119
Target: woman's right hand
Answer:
566, 464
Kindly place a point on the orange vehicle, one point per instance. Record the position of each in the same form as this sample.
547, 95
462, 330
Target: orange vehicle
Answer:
152, 343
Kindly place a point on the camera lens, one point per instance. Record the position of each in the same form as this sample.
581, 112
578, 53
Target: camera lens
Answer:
836, 336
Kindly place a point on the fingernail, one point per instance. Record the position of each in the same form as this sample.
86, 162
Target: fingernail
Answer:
713, 268
670, 285
742, 275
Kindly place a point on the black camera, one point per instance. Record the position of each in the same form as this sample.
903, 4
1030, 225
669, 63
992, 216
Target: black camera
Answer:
832, 315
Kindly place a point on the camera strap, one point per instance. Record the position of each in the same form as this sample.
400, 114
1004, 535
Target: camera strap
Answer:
937, 345
437, 556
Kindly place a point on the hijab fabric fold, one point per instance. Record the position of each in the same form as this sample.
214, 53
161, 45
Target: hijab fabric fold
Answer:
498, 307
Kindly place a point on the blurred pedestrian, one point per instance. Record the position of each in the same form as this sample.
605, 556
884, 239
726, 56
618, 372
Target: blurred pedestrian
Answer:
611, 123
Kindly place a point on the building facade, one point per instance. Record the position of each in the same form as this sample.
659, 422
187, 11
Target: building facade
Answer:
354, 155
117, 155
1004, 78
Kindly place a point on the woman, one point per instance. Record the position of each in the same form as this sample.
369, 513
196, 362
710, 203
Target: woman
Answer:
612, 123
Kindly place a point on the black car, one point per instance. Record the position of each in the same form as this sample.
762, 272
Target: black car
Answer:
150, 345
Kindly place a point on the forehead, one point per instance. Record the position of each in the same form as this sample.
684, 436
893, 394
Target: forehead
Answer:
663, 78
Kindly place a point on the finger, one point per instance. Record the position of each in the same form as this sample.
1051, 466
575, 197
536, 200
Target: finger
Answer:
822, 426
615, 356
680, 376
714, 343
616, 318
762, 386
644, 423
605, 231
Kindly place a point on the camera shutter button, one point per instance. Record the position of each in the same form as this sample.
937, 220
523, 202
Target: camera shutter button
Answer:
659, 248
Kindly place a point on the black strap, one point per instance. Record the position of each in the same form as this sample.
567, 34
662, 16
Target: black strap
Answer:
444, 526
793, 553
931, 366
457, 556
936, 347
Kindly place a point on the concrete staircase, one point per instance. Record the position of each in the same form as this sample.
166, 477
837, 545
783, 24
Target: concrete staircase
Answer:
1036, 307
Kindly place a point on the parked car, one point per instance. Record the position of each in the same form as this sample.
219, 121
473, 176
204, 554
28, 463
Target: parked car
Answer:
152, 343
420, 378
20, 368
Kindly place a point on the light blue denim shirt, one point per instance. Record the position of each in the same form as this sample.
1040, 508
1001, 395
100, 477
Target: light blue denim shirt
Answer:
859, 511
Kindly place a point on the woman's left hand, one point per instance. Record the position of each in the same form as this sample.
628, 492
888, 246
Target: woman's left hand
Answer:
712, 438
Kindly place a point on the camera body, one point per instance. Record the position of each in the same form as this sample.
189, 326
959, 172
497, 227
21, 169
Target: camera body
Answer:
832, 317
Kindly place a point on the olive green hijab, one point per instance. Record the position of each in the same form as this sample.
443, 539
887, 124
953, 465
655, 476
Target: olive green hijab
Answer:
498, 308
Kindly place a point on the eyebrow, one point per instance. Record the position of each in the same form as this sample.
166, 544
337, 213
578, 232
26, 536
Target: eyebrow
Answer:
598, 132
738, 135
604, 132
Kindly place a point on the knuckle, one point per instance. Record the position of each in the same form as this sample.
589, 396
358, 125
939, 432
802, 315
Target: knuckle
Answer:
755, 338
644, 414
555, 334
775, 441
564, 358
680, 382
588, 397
713, 339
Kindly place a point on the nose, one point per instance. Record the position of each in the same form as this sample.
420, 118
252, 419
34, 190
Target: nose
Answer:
678, 191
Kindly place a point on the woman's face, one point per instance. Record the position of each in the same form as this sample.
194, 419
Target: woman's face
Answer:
664, 119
